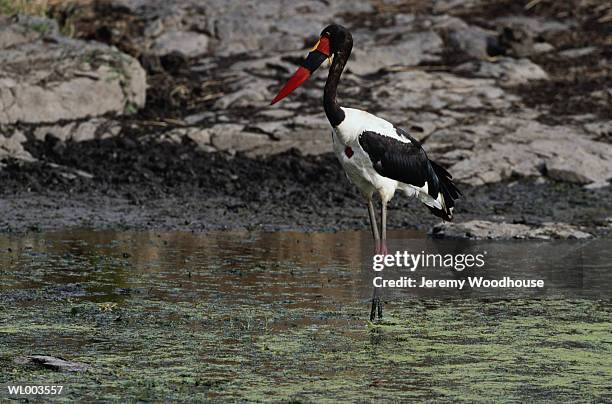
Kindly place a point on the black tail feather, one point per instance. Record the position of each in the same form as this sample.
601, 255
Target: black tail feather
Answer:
449, 191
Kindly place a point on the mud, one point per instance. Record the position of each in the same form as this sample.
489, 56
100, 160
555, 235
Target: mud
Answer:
250, 316
148, 184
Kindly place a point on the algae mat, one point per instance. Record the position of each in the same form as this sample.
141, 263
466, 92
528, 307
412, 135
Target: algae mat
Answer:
259, 317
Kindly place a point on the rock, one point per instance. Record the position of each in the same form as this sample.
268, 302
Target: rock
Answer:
12, 147
558, 231
96, 128
242, 141
224, 137
199, 117
201, 137
507, 70
187, 43
53, 363
516, 41
440, 91
483, 229
542, 47
272, 128
599, 128
524, 148
276, 138
583, 165
276, 113
479, 229
473, 41
318, 120
535, 25
246, 92
444, 6
577, 52
233, 26
265, 32
409, 50
305, 146
61, 78
21, 29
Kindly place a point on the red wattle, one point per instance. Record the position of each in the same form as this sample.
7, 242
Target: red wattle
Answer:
324, 46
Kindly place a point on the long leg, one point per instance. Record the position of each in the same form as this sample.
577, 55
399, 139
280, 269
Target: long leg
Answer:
383, 227
382, 249
373, 225
376, 304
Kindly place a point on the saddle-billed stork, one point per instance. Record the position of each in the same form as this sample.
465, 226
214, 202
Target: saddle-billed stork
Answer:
376, 155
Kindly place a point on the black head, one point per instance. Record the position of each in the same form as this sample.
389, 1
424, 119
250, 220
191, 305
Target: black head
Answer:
340, 39
335, 40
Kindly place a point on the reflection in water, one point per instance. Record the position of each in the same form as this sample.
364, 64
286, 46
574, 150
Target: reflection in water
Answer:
249, 316
241, 266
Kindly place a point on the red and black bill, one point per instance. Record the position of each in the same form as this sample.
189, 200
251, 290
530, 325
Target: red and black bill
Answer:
315, 58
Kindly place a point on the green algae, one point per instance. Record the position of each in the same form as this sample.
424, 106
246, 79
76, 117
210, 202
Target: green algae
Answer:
180, 335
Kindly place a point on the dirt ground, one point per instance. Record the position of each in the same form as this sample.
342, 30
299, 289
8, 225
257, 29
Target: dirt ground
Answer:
149, 185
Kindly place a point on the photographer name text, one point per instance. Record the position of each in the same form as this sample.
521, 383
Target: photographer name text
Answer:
406, 261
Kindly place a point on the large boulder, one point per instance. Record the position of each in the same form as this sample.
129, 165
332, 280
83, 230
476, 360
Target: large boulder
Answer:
45, 77
516, 147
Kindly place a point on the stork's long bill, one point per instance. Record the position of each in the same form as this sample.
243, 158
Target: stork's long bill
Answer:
317, 55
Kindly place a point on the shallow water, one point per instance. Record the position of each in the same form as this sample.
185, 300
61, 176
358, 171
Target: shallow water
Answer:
256, 316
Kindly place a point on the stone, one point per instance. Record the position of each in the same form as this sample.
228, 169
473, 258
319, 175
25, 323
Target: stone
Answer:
53, 363
246, 92
305, 146
12, 147
65, 79
188, 43
564, 231
577, 52
233, 26
95, 128
506, 70
201, 137
444, 6
440, 91
542, 47
599, 128
409, 50
272, 128
524, 148
23, 29
580, 168
242, 141
516, 41
222, 137
535, 25
484, 229
276, 113
472, 40
265, 32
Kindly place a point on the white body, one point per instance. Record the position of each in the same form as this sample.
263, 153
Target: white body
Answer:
359, 168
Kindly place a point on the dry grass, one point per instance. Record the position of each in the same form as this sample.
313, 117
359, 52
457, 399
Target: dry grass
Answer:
33, 7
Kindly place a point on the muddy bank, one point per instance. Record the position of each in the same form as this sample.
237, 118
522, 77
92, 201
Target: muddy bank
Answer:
129, 183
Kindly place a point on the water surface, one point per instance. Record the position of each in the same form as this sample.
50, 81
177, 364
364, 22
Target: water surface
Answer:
257, 316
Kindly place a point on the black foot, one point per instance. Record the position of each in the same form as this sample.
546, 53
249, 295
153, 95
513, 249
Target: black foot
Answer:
376, 309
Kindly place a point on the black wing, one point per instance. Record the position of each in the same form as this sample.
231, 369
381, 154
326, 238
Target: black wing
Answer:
408, 163
401, 161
